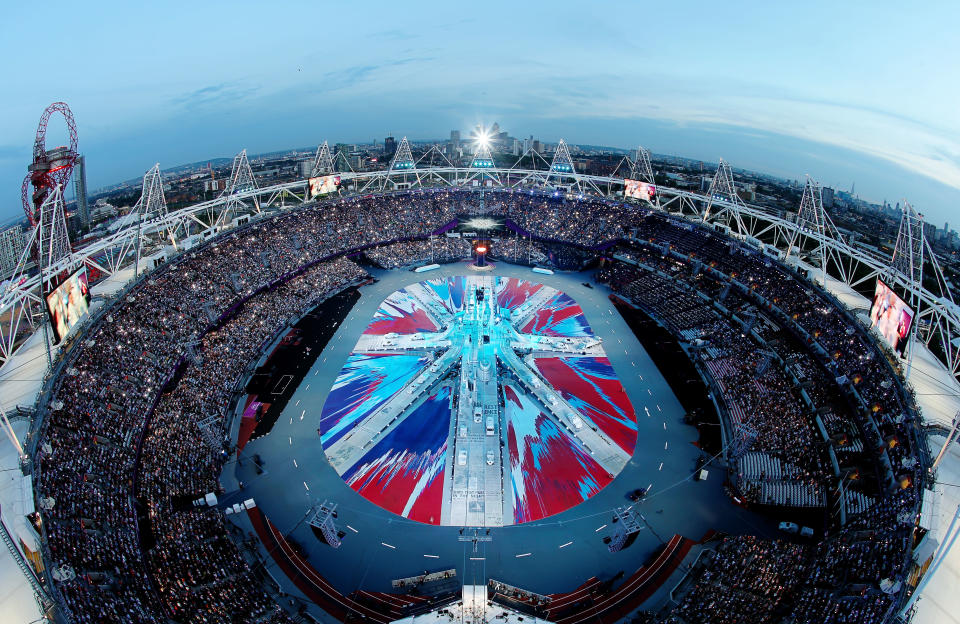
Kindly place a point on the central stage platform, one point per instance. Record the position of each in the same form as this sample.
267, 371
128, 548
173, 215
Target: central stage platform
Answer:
557, 551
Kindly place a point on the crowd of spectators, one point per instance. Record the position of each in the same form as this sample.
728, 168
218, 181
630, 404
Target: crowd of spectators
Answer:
117, 420
746, 580
760, 400
437, 249
124, 444
751, 580
846, 576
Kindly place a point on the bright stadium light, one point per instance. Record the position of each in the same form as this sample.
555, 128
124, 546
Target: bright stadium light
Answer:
483, 139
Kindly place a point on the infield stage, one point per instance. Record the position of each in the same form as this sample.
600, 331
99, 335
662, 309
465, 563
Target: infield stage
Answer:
543, 547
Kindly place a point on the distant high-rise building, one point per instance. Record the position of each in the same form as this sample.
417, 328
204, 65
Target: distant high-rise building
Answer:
826, 196
80, 188
389, 146
455, 139
537, 147
516, 147
11, 247
528, 144
306, 167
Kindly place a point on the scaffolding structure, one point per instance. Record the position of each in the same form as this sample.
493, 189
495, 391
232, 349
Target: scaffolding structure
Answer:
322, 519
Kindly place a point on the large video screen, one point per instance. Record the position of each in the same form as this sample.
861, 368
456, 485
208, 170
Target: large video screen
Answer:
891, 316
69, 303
639, 190
324, 185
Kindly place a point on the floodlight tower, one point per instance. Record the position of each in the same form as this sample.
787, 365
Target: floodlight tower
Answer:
483, 157
50, 168
814, 230
906, 266
323, 162
402, 162
640, 168
242, 181
723, 188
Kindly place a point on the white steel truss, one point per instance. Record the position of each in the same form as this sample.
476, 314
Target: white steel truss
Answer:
906, 265
482, 157
427, 160
151, 208
814, 226
402, 162
152, 202
481, 166
323, 162
562, 161
856, 266
640, 168
54, 240
403, 157
340, 162
241, 183
722, 194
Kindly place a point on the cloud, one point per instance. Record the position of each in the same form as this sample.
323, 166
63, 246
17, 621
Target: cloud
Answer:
351, 76
915, 145
394, 35
215, 95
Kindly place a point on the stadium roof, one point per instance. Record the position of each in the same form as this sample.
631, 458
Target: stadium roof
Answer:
939, 602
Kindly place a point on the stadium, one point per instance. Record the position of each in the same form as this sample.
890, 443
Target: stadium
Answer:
439, 392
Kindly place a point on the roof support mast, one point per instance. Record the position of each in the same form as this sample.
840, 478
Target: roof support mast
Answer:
906, 266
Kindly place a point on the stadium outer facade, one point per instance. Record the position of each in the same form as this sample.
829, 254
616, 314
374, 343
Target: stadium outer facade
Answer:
810, 239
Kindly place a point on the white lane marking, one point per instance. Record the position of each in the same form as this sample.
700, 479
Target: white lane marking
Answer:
295, 464
647, 411
634, 364
599, 528
523, 555
565, 545
661, 466
352, 529
650, 392
649, 487
658, 408
664, 426
389, 545
478, 558
290, 440
297, 403
664, 446
641, 377
308, 387
302, 414
306, 486
432, 556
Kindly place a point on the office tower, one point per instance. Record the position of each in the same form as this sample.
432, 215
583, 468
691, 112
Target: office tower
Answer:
80, 188
11, 247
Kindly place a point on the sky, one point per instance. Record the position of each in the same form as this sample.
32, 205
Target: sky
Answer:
847, 92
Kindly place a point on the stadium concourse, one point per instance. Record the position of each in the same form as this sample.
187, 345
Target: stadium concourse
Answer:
157, 501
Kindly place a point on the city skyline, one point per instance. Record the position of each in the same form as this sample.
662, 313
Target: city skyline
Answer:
824, 98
